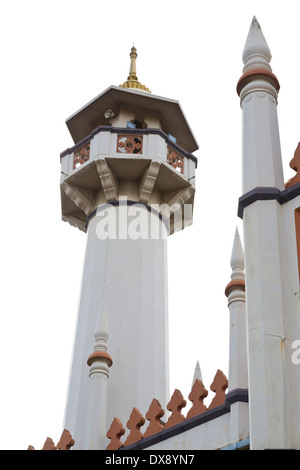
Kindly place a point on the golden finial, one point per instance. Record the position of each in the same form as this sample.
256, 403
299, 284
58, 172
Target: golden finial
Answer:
132, 80
132, 70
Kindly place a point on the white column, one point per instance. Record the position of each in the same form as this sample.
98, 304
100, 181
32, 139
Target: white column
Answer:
99, 362
129, 269
258, 87
235, 291
238, 363
264, 249
264, 255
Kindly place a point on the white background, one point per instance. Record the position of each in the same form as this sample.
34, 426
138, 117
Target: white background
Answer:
55, 57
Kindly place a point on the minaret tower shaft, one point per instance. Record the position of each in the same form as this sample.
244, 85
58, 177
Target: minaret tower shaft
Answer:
271, 273
128, 182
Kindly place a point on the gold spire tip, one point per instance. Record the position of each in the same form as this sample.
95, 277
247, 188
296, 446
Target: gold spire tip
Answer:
132, 79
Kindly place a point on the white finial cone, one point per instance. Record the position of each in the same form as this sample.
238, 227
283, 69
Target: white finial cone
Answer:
101, 330
237, 257
256, 52
197, 373
100, 346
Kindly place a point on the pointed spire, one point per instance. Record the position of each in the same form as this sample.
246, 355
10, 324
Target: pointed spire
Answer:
236, 296
237, 258
256, 51
132, 69
101, 336
237, 266
132, 80
197, 374
256, 58
101, 333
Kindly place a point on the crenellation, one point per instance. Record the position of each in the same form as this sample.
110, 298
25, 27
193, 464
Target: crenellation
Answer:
175, 405
65, 442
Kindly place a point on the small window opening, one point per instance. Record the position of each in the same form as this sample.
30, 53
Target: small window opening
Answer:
138, 124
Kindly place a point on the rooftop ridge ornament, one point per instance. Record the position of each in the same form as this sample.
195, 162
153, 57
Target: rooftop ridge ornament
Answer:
295, 165
196, 396
219, 385
115, 433
176, 403
135, 422
153, 415
65, 443
132, 79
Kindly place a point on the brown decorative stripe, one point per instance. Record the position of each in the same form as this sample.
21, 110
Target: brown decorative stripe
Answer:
255, 74
234, 283
99, 354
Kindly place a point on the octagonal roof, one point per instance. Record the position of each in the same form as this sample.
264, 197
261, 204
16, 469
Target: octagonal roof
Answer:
174, 122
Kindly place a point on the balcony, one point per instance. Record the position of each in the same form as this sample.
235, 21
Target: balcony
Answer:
111, 142
143, 165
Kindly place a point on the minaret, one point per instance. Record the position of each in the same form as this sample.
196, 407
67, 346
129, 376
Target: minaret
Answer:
235, 292
258, 88
129, 183
99, 362
238, 367
267, 294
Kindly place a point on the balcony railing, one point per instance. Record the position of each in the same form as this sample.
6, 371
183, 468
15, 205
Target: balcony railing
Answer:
175, 159
81, 155
130, 142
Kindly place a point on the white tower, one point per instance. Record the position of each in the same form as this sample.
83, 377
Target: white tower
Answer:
271, 265
129, 181
235, 292
99, 362
238, 367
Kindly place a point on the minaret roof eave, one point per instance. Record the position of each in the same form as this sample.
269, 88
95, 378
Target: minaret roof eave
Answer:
80, 124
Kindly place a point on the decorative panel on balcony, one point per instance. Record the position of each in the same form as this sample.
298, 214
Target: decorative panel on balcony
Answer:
175, 159
81, 155
130, 144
